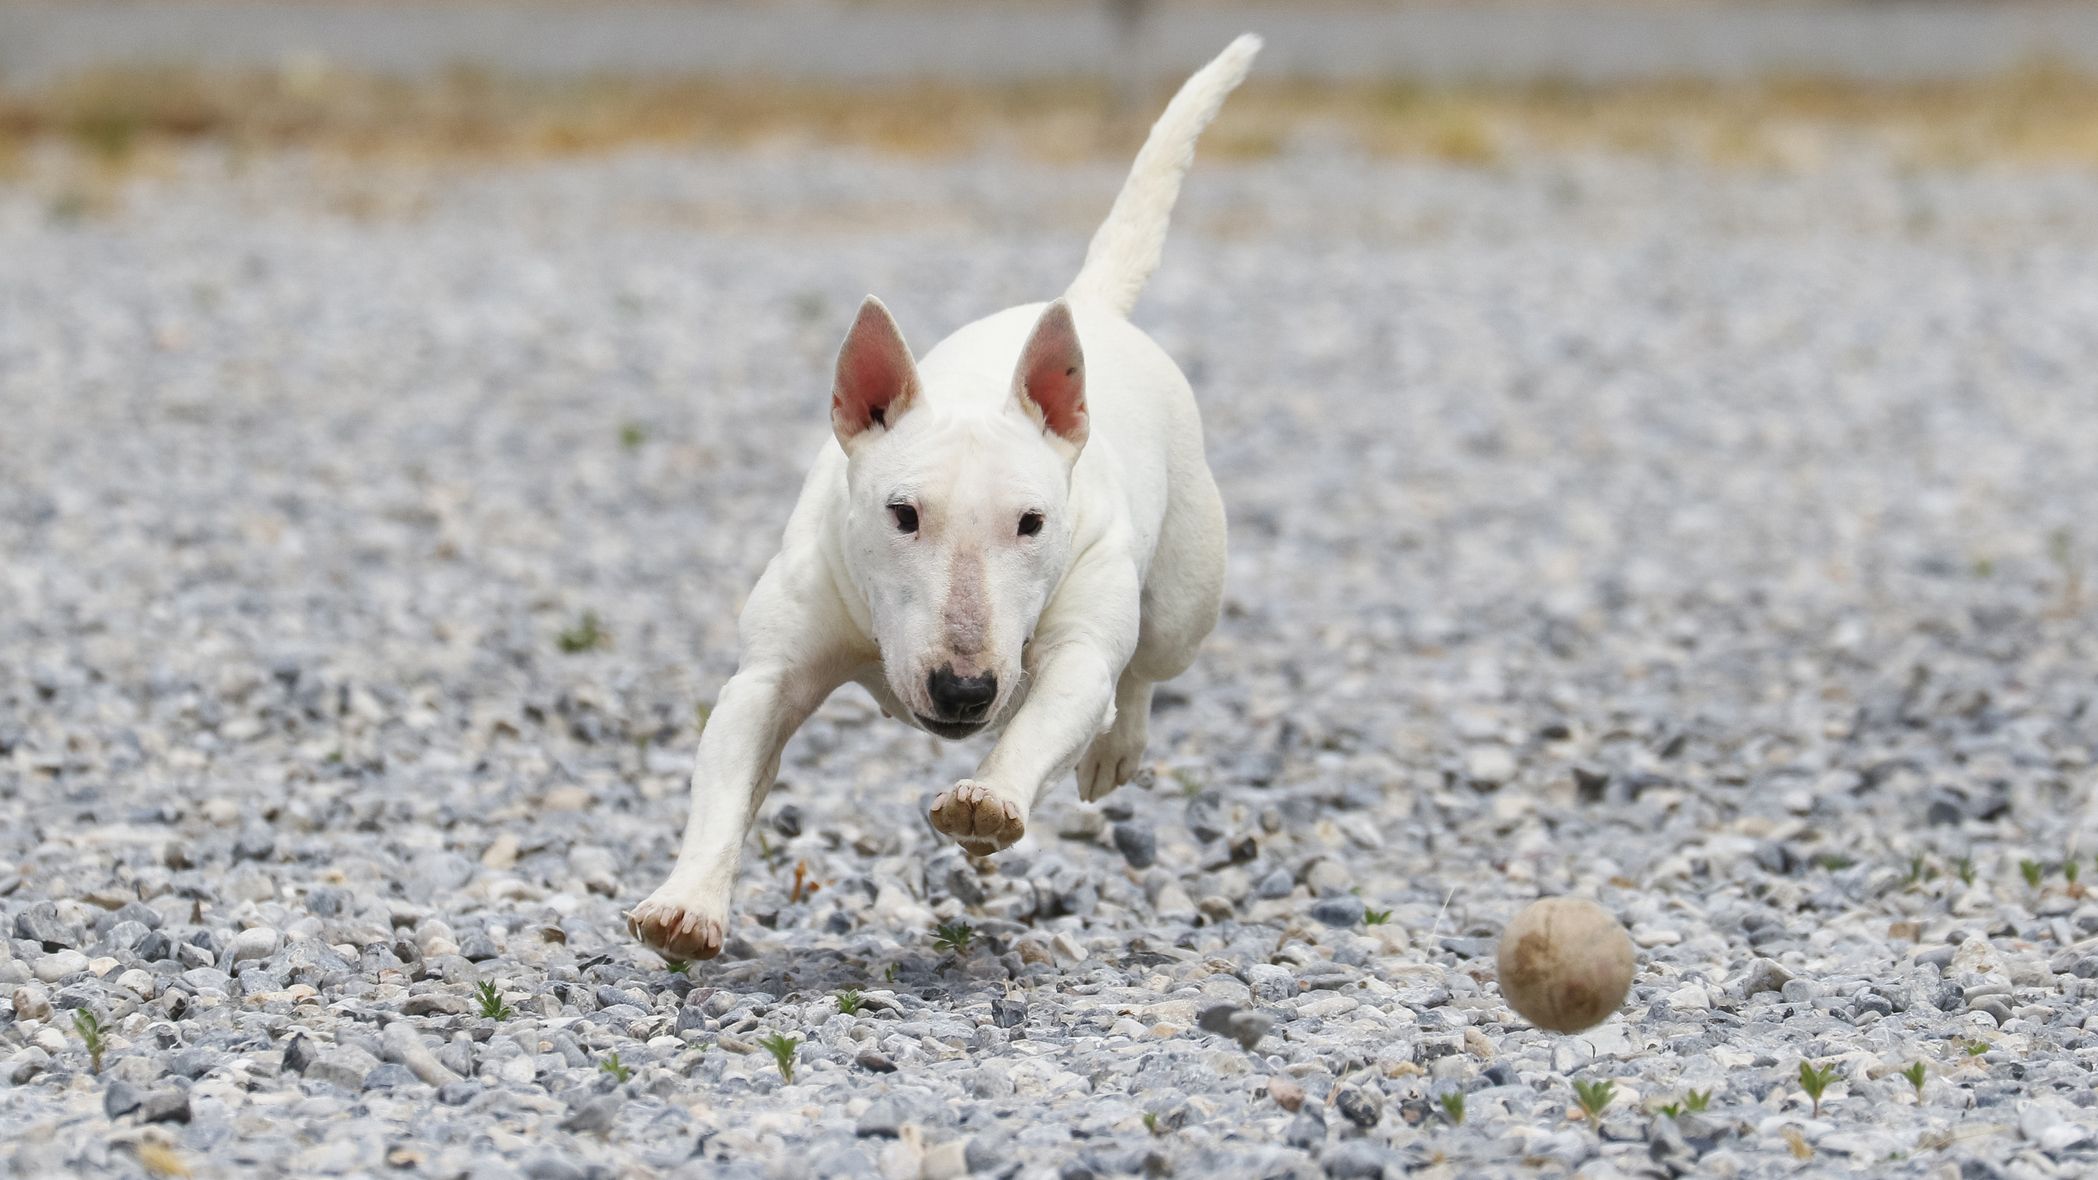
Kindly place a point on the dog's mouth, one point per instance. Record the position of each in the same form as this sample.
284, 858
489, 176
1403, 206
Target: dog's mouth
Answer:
952, 730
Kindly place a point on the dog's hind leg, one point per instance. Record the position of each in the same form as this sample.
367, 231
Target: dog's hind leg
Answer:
1115, 756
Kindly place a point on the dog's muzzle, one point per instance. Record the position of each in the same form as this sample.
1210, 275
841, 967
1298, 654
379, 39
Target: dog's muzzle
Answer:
951, 730
961, 704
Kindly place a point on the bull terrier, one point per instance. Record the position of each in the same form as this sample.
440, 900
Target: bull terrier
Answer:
1017, 533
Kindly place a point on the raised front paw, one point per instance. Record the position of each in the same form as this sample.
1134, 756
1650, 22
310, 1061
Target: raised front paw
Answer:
678, 928
978, 819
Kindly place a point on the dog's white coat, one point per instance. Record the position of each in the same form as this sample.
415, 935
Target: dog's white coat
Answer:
908, 551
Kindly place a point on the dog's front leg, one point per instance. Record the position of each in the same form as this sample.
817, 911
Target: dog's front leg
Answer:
797, 648
1085, 639
739, 751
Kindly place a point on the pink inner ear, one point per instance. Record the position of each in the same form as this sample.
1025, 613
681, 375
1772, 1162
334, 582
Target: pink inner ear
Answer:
1052, 373
874, 376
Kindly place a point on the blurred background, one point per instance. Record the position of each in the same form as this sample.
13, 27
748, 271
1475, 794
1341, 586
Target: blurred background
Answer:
1460, 80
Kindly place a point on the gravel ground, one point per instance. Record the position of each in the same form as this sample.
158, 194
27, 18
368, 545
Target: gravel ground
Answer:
1714, 544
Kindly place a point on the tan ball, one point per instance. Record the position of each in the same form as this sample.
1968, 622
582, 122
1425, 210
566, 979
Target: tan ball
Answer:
1565, 964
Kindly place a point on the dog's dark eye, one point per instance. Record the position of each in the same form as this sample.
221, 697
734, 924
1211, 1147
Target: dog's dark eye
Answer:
1030, 523
906, 517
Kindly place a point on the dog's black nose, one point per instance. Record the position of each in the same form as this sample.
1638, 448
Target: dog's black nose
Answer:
962, 698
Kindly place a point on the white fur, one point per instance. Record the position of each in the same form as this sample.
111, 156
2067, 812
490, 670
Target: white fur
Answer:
1127, 246
1098, 434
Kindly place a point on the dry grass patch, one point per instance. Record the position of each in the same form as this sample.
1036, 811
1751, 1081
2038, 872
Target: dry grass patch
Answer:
2034, 116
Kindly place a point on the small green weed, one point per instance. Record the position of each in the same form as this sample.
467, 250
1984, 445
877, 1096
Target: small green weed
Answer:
1815, 1080
618, 1069
782, 1048
632, 435
588, 634
1964, 866
493, 1006
954, 936
849, 1001
1594, 1098
1914, 1074
1697, 1101
1375, 917
92, 1035
2061, 547
1453, 1107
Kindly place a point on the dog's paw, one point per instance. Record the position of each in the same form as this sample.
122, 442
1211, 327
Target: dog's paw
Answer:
1108, 763
677, 930
977, 818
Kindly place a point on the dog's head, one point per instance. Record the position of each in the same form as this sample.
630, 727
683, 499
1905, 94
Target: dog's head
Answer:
956, 526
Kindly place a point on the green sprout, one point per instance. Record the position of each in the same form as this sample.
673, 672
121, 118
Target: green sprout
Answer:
782, 1049
1920, 871
2071, 870
1375, 917
1151, 1123
888, 973
1453, 1107
632, 435
954, 936
677, 966
588, 634
618, 1069
1964, 866
1595, 1098
1814, 1081
2032, 871
1697, 1101
1914, 1074
2061, 547
92, 1035
493, 1006
1977, 1048
849, 1001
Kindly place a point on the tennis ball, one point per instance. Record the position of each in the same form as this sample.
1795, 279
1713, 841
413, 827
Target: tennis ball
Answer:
1565, 964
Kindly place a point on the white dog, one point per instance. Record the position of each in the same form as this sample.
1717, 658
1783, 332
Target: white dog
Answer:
1020, 531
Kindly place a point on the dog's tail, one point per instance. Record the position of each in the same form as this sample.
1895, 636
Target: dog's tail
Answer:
1127, 246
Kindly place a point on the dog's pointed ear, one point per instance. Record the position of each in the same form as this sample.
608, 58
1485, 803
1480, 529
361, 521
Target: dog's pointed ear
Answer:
876, 380
1050, 381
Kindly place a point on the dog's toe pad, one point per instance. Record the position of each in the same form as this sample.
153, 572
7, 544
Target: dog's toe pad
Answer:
677, 931
977, 818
